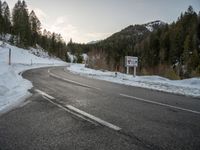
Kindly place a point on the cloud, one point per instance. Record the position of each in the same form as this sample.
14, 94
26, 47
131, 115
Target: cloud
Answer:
62, 26
60, 20
68, 31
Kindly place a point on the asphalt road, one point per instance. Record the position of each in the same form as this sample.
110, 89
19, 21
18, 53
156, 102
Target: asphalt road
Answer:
147, 119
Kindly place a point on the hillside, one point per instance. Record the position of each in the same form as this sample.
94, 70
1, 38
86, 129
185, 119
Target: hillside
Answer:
173, 51
13, 88
170, 50
113, 49
109, 53
25, 30
137, 30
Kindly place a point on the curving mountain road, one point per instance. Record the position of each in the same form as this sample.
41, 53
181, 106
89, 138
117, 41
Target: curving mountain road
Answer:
68, 111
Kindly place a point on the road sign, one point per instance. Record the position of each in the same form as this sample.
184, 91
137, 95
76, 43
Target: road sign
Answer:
131, 61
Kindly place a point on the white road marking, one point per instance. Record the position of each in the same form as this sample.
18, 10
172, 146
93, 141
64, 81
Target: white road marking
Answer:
63, 108
96, 119
79, 113
161, 104
45, 94
50, 98
71, 81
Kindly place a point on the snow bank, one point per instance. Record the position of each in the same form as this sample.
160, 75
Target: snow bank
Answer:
13, 88
188, 87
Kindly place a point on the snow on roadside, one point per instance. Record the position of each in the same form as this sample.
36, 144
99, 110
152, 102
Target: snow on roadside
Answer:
13, 88
71, 57
188, 87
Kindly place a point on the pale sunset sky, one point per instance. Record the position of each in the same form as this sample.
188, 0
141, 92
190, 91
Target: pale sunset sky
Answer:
90, 20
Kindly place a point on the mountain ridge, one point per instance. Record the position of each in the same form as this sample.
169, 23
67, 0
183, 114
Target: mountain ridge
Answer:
136, 29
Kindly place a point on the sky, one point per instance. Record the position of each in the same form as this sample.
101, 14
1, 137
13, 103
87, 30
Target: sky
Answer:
91, 20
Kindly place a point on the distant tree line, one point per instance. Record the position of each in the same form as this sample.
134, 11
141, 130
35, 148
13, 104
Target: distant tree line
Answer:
25, 29
176, 45
171, 50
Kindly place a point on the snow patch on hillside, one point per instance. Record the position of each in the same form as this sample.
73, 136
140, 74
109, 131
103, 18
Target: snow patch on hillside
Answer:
85, 57
13, 88
73, 58
150, 28
188, 87
152, 25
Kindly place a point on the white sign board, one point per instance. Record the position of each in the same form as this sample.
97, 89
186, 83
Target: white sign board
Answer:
131, 61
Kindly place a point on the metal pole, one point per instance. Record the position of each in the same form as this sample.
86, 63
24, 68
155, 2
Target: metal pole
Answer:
127, 70
9, 57
134, 71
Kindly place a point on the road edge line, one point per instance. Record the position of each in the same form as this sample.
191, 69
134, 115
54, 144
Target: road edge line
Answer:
96, 119
65, 109
79, 113
45, 94
161, 104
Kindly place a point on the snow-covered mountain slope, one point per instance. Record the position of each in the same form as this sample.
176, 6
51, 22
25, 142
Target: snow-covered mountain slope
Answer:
13, 88
151, 26
94, 42
134, 33
188, 87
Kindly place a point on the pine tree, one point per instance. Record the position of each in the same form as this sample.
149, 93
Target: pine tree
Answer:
16, 18
79, 58
53, 43
190, 10
21, 23
26, 30
187, 49
6, 17
35, 26
198, 33
1, 18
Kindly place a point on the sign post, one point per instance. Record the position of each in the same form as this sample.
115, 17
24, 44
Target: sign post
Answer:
9, 61
134, 73
131, 61
127, 70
